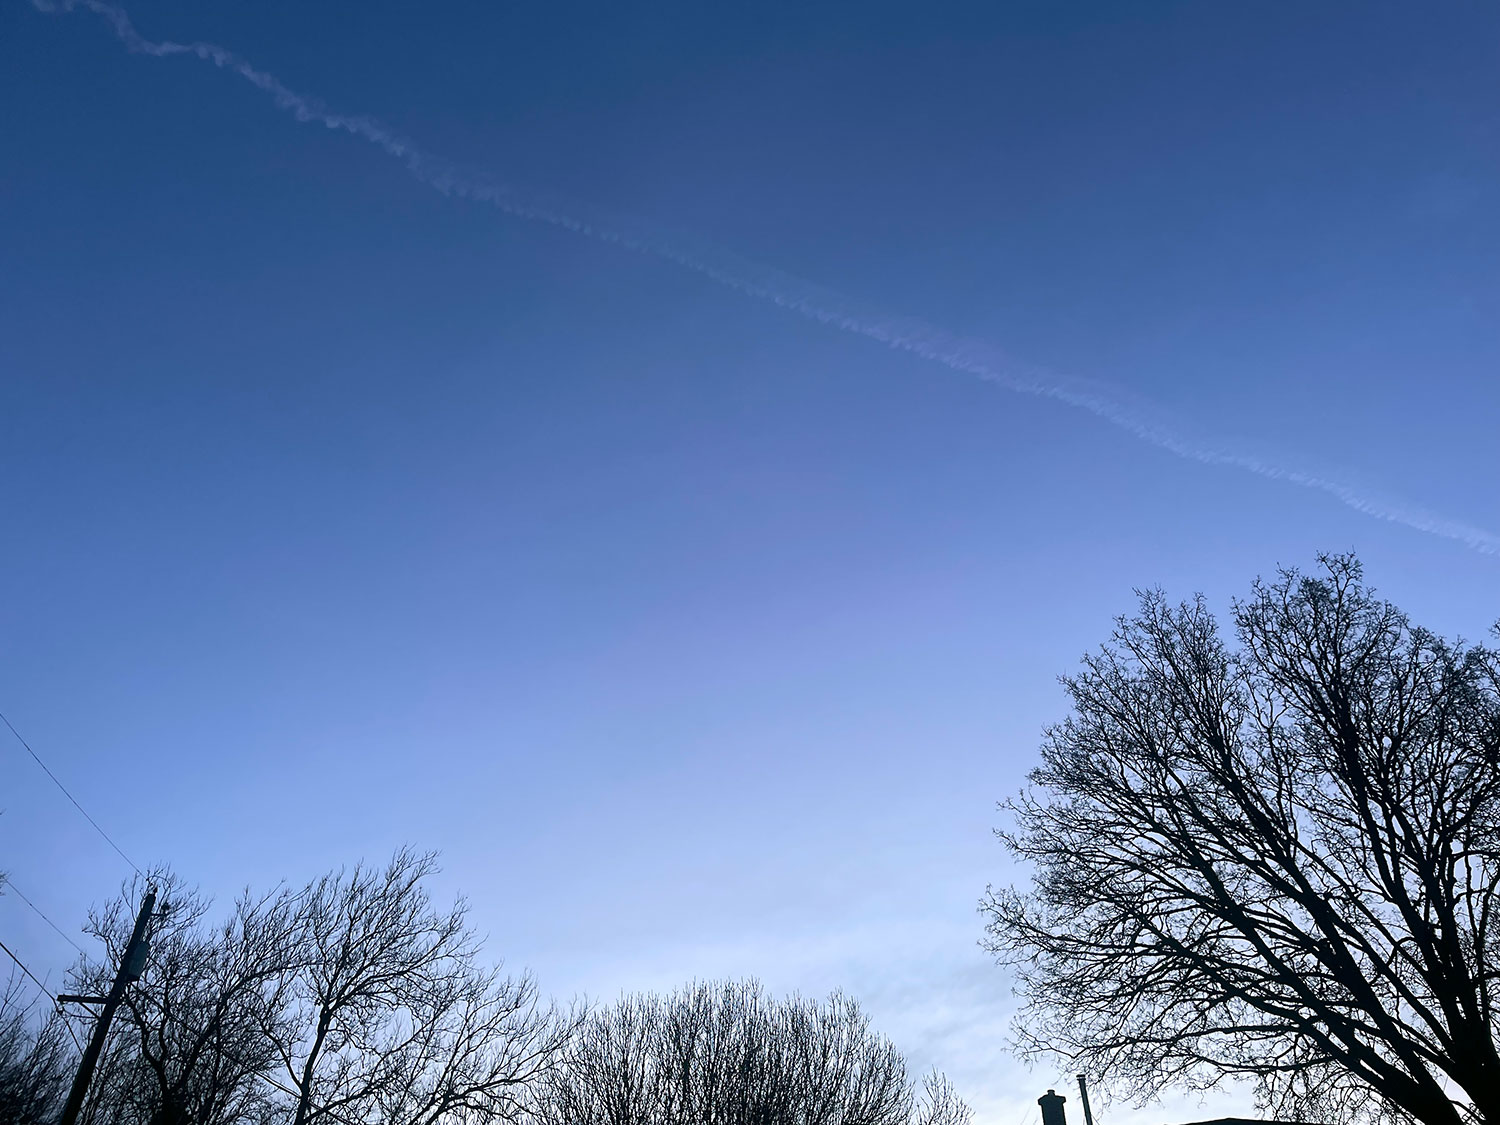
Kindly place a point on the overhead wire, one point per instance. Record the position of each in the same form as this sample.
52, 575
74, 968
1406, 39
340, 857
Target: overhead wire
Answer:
108, 839
57, 1004
34, 978
64, 790
68, 1027
10, 886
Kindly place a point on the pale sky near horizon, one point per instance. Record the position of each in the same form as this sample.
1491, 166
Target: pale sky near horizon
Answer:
700, 637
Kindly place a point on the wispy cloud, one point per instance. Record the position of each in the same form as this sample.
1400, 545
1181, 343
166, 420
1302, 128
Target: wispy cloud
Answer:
967, 356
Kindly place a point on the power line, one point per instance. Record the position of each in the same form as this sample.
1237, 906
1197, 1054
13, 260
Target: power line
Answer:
66, 1025
47, 991
69, 796
11, 886
73, 1035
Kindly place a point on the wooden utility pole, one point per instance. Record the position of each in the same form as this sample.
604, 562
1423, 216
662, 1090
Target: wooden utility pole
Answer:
132, 964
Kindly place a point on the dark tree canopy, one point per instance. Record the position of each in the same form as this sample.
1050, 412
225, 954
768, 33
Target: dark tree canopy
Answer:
1275, 860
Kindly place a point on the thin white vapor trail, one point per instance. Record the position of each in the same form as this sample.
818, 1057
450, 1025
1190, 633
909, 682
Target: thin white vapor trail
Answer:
961, 354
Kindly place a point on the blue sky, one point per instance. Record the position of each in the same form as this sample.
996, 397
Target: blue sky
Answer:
700, 637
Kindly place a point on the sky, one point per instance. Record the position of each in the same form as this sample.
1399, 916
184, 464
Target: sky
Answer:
698, 596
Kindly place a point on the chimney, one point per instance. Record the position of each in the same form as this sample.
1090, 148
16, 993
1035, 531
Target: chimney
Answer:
1052, 1108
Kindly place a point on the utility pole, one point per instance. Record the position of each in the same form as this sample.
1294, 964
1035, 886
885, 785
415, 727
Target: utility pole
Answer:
132, 964
1083, 1093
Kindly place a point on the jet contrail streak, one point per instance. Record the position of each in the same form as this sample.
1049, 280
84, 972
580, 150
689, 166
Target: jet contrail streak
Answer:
968, 356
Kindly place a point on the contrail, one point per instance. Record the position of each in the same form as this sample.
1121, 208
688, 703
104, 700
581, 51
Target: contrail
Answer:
968, 356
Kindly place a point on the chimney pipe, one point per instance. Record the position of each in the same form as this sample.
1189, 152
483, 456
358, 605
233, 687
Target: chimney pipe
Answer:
1083, 1094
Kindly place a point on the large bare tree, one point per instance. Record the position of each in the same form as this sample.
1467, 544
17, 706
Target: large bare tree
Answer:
1276, 859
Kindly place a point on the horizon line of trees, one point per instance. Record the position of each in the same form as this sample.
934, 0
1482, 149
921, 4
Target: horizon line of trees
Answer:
355, 1000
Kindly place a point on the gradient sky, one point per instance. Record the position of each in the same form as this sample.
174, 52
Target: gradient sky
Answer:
699, 637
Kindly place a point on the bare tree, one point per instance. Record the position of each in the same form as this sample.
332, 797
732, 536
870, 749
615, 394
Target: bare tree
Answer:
36, 1059
727, 1054
350, 1001
392, 1019
35, 1056
1276, 861
940, 1103
196, 1049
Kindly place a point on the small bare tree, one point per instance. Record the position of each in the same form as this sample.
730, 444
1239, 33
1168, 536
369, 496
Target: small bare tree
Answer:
940, 1103
36, 1059
1279, 861
727, 1054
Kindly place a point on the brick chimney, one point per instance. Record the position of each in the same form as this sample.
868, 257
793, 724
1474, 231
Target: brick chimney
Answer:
1052, 1108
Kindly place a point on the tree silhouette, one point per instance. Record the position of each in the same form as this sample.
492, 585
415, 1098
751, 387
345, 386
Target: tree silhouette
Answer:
192, 1046
726, 1053
1277, 860
393, 1019
354, 1000
36, 1058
